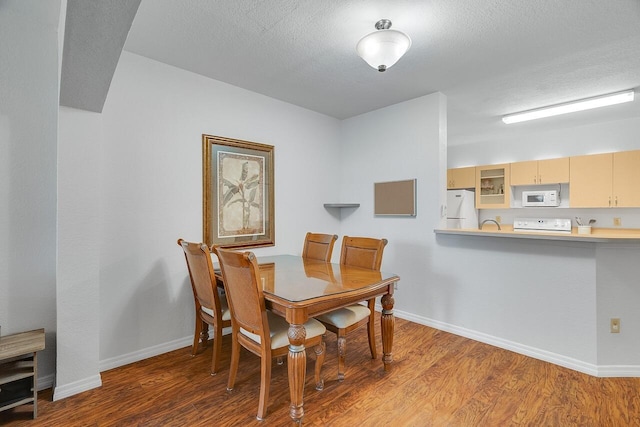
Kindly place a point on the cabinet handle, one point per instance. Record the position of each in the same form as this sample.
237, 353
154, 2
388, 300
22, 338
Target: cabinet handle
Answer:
539, 179
535, 179
609, 201
616, 200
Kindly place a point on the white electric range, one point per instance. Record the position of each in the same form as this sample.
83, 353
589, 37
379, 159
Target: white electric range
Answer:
543, 225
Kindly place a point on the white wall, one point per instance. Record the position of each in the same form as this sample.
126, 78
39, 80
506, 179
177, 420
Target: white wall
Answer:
585, 284
620, 135
80, 143
151, 195
618, 294
473, 287
28, 132
403, 141
489, 289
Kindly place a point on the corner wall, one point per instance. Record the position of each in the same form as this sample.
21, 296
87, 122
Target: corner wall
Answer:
80, 143
471, 287
151, 193
28, 136
403, 141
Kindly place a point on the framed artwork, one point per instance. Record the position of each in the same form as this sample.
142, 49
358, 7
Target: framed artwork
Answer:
238, 193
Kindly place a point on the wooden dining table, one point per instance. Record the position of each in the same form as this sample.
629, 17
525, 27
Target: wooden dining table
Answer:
298, 289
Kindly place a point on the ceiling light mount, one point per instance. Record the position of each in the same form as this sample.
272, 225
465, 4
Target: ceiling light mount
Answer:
571, 107
383, 24
384, 47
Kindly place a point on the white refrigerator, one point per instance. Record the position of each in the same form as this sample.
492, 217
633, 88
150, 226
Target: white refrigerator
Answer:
461, 209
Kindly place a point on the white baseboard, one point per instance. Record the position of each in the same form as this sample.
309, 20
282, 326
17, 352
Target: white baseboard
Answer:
67, 390
619, 371
136, 356
145, 353
536, 353
46, 382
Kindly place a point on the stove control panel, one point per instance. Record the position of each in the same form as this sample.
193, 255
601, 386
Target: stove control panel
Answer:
560, 225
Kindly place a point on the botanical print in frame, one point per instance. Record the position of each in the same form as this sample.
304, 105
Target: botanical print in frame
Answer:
238, 193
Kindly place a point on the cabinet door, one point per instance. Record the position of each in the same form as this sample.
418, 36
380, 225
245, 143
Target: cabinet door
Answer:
591, 181
461, 178
552, 171
524, 173
626, 179
492, 186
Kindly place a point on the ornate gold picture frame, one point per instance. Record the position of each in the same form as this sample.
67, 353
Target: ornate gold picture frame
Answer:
238, 193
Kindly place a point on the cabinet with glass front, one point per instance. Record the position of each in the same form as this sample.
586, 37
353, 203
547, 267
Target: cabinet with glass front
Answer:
492, 186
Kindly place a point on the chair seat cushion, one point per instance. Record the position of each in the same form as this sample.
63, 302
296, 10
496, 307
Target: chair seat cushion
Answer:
346, 316
226, 313
278, 327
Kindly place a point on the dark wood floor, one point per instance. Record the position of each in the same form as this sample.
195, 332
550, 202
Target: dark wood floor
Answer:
438, 379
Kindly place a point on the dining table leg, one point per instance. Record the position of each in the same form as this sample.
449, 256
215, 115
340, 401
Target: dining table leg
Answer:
297, 366
387, 324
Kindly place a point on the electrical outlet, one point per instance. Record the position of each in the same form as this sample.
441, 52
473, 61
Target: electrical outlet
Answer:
615, 325
498, 219
617, 222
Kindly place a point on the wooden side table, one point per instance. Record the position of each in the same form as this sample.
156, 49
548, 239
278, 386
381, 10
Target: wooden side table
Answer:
19, 369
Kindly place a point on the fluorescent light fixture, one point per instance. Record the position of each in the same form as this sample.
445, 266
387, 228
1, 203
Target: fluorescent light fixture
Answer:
570, 107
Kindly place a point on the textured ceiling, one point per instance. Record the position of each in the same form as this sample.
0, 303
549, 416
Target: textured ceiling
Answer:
489, 57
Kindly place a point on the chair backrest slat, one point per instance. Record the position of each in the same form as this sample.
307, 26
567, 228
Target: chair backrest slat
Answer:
318, 246
241, 276
203, 280
362, 252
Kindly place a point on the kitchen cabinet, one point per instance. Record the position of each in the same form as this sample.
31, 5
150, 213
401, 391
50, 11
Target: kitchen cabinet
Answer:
492, 186
461, 178
626, 179
605, 180
19, 369
549, 171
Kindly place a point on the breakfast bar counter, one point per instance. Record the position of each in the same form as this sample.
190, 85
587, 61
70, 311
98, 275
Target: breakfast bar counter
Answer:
598, 235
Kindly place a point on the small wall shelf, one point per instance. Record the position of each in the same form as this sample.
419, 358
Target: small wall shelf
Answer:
342, 205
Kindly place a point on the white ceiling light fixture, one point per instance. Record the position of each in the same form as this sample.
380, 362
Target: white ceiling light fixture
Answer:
571, 107
384, 47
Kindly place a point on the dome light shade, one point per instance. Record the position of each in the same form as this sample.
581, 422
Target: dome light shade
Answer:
383, 48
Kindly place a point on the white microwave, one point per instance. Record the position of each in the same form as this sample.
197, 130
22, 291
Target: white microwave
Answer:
540, 198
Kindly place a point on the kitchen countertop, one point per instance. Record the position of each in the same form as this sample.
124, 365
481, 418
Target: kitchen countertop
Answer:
626, 235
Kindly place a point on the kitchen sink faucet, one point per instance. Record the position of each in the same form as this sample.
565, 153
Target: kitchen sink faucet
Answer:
490, 220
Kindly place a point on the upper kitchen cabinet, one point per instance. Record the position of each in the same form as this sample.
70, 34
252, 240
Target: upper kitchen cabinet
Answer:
591, 181
605, 180
492, 186
550, 171
626, 179
459, 178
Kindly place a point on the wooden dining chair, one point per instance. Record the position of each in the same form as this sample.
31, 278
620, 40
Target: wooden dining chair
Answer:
262, 332
364, 252
211, 307
319, 246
